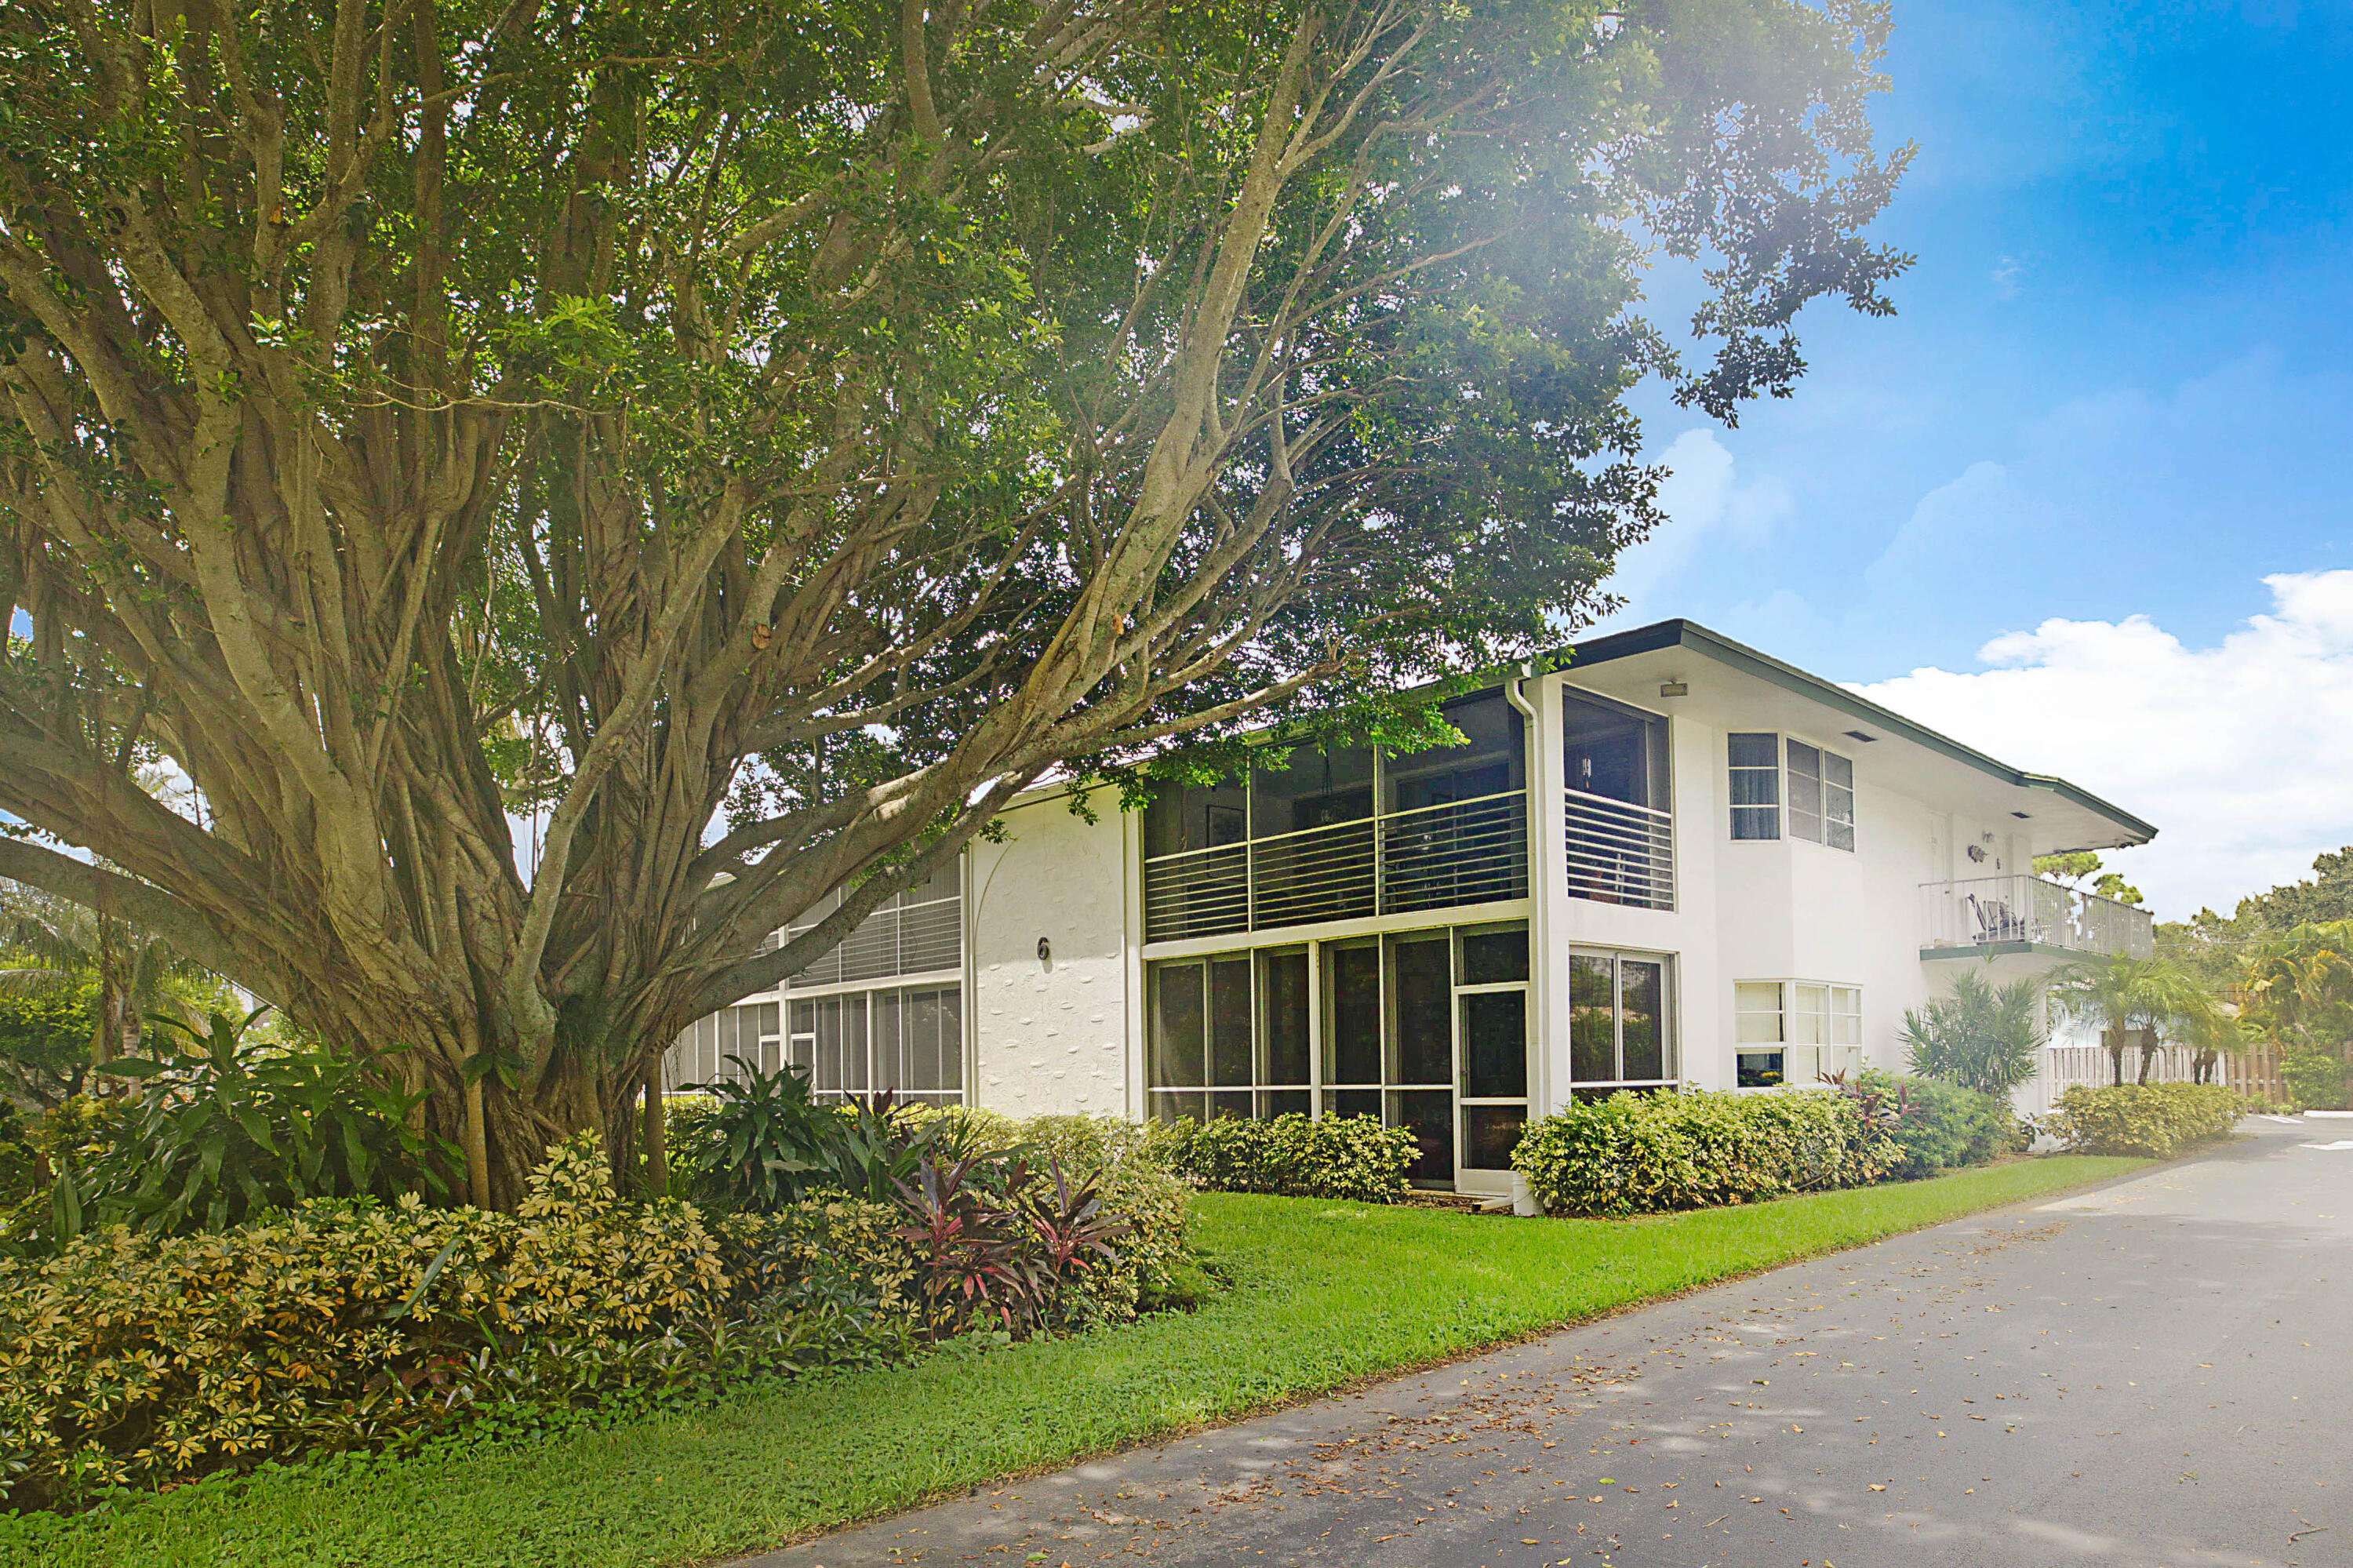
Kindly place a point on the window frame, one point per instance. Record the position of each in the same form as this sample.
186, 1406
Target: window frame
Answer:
1813, 797
1831, 1011
1670, 1032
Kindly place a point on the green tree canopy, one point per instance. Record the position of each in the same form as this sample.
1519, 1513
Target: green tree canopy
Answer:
766, 437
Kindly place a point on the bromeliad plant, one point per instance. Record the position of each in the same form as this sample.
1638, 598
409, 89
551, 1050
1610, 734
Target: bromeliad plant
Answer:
230, 1126
772, 1143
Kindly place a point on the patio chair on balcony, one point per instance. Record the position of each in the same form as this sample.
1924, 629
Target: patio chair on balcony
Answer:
1995, 921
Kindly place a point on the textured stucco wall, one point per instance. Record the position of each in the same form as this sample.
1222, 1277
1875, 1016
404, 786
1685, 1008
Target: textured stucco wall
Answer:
1051, 1037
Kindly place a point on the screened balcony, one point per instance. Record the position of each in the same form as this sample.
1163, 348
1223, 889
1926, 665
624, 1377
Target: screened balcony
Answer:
1622, 838
1343, 833
1964, 918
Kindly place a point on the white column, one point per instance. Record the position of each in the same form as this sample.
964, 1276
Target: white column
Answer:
1131, 830
1552, 912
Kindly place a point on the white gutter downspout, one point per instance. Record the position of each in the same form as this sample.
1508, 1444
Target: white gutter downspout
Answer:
1540, 955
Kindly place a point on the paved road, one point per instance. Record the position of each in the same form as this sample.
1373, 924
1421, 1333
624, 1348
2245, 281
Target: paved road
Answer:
2154, 1374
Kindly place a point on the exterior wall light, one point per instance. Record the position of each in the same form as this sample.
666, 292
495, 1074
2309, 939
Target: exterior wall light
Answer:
1674, 688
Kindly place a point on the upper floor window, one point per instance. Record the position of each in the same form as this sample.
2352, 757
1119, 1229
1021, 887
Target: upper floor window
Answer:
1819, 799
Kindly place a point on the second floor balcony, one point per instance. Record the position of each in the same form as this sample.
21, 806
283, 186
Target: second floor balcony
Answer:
1970, 917
1434, 857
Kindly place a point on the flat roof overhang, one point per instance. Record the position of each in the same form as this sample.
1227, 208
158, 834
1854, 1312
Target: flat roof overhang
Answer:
1763, 693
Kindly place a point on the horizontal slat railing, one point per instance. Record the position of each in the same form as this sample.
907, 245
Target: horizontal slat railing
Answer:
1435, 857
1620, 852
914, 939
1467, 851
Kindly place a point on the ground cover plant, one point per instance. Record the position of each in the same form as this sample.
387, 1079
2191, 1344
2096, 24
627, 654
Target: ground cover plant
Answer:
2155, 1119
1322, 1293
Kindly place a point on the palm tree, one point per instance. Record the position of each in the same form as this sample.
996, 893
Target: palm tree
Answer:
2300, 982
2213, 1033
2130, 1001
1984, 1037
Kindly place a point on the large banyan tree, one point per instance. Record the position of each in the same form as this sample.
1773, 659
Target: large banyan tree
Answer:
747, 440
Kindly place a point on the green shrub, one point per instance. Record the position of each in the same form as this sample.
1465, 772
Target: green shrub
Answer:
133, 1358
78, 1132
228, 1128
762, 1143
1352, 1157
2155, 1119
1636, 1153
2315, 1078
1155, 1266
1942, 1127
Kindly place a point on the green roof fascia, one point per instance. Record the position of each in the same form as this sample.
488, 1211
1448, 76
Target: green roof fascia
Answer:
1983, 950
1789, 678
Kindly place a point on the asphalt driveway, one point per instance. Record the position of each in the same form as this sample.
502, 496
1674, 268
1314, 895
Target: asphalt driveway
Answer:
2156, 1372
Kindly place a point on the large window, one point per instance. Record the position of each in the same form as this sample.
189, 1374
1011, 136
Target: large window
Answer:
1795, 1031
1426, 1030
1820, 795
909, 1041
1620, 1034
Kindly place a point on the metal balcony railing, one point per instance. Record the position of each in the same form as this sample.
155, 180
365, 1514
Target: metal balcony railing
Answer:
1620, 852
896, 939
1435, 857
1994, 911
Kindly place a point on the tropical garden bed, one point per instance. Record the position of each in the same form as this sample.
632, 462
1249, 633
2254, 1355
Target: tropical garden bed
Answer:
1322, 1293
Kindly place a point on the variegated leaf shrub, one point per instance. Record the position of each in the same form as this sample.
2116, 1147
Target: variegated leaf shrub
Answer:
136, 1360
1350, 1157
2156, 1119
129, 1358
1635, 1153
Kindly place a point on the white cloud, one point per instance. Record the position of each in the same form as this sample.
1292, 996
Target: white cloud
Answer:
1706, 505
2241, 753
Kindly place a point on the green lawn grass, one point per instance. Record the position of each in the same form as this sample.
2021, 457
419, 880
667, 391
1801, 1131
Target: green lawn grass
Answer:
1323, 1295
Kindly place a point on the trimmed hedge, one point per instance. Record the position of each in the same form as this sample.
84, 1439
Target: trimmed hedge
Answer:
2154, 1119
1292, 1156
1633, 1153
1943, 1127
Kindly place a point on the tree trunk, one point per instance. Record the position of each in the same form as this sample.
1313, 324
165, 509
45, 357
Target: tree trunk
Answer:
656, 1134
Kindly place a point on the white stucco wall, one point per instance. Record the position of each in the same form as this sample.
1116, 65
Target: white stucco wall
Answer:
1051, 1037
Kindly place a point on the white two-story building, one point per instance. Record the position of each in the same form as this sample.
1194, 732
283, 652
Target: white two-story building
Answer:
1673, 861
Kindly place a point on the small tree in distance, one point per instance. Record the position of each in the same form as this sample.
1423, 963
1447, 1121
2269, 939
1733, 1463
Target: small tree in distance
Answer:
2131, 1002
1983, 1037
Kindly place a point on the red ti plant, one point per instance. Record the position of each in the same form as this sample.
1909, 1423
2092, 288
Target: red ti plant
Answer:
977, 1258
1071, 1226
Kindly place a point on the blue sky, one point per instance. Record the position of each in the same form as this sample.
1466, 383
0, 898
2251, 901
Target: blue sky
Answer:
2117, 388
